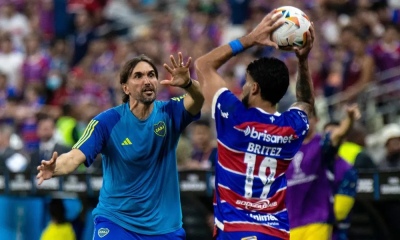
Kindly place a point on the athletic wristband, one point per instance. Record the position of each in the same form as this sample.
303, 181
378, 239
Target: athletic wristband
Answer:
236, 46
188, 85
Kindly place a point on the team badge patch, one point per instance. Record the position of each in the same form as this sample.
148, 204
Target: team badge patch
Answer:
160, 129
250, 238
102, 232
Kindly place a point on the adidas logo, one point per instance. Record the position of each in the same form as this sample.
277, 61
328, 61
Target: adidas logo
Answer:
126, 142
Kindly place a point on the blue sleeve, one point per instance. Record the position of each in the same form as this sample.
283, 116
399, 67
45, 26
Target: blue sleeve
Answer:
299, 122
181, 117
329, 152
348, 185
225, 103
96, 135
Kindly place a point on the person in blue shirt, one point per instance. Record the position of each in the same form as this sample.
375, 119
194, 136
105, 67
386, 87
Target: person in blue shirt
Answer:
139, 198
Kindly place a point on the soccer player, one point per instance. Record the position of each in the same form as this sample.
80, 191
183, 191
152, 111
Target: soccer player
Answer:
310, 179
255, 142
139, 198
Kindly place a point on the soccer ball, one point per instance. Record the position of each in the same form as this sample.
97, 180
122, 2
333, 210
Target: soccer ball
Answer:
293, 31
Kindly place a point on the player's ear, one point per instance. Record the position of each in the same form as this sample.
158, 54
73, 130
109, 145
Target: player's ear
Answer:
255, 88
125, 88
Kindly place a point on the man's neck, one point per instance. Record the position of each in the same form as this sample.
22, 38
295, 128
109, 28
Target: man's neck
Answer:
140, 110
265, 106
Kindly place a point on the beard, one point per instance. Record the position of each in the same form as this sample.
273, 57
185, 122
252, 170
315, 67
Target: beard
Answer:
147, 99
245, 100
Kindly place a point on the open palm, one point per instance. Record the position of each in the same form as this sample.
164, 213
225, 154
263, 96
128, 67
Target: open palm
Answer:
46, 169
180, 72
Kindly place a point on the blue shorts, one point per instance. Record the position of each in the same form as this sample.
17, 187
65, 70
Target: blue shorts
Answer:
221, 235
104, 229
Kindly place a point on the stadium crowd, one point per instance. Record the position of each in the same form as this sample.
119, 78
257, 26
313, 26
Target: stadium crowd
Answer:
61, 58
59, 64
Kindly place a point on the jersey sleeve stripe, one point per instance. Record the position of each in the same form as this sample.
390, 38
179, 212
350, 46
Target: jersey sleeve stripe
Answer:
86, 134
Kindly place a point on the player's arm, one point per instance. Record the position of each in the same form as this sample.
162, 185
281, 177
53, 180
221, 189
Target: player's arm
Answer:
304, 85
60, 165
194, 99
207, 65
193, 102
84, 151
353, 114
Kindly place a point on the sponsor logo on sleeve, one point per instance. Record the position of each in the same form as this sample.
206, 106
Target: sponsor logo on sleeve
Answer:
223, 114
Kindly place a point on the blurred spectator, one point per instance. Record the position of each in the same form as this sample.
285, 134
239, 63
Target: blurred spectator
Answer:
36, 63
10, 158
239, 11
128, 14
11, 63
386, 52
204, 149
13, 22
59, 228
46, 19
359, 72
184, 152
354, 151
48, 142
391, 140
59, 56
81, 89
67, 126
5, 93
25, 116
83, 35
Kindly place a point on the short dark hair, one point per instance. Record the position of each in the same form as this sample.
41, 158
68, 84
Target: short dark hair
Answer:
57, 210
272, 75
128, 68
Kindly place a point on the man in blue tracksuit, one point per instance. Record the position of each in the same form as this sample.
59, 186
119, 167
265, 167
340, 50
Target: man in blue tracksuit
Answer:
139, 198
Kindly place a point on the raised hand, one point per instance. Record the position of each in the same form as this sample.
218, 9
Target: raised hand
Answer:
46, 169
179, 71
302, 53
261, 34
353, 112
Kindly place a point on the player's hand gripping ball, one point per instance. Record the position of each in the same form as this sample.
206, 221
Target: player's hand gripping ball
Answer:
293, 32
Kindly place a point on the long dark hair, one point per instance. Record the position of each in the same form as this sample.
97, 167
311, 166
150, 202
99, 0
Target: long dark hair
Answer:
128, 68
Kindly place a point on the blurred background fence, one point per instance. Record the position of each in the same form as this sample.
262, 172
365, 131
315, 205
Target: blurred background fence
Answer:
25, 213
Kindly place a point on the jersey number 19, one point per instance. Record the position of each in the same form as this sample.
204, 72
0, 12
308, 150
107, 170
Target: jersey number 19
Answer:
267, 178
